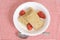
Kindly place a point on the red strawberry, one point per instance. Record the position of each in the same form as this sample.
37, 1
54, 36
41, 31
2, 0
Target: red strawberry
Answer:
29, 26
41, 14
22, 12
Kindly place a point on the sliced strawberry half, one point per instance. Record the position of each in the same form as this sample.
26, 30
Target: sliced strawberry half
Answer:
29, 26
22, 12
41, 14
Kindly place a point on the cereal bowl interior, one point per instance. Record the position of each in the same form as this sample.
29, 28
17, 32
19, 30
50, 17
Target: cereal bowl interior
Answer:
22, 28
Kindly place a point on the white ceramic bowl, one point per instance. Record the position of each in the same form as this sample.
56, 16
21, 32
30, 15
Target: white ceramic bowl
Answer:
21, 28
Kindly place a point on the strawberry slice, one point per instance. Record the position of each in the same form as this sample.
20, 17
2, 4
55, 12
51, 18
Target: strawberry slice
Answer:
41, 14
22, 12
29, 26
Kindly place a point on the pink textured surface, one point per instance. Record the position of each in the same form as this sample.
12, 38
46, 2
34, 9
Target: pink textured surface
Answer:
7, 29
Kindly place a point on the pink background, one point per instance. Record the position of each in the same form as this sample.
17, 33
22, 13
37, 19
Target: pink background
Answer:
7, 29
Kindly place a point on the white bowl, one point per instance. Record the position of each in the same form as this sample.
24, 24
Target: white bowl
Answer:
21, 28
